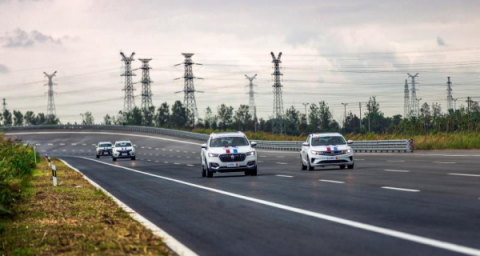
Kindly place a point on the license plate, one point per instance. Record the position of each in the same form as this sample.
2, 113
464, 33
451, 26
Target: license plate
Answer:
232, 165
331, 158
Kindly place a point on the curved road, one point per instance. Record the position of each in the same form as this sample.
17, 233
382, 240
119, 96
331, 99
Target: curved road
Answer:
424, 203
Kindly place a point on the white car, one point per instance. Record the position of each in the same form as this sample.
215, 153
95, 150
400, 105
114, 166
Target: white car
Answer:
123, 149
229, 152
326, 149
104, 149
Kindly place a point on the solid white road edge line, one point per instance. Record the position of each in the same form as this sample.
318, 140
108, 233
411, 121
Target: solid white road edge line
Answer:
332, 181
285, 176
171, 242
391, 170
464, 174
402, 189
355, 224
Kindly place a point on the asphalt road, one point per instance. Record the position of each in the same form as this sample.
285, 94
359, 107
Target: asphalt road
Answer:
425, 203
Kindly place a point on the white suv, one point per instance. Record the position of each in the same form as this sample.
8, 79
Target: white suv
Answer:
104, 149
326, 149
229, 152
123, 149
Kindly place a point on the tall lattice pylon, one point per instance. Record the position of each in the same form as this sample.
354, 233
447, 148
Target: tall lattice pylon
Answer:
251, 96
277, 121
189, 89
406, 100
4, 104
414, 105
449, 95
51, 110
146, 88
129, 99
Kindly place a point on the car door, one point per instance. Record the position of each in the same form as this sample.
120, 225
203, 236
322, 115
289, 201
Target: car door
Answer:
304, 152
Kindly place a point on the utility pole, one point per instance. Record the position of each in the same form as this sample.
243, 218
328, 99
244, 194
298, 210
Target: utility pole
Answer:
129, 100
345, 116
4, 104
413, 100
360, 106
449, 95
305, 105
146, 88
189, 89
406, 100
251, 95
468, 107
51, 110
277, 124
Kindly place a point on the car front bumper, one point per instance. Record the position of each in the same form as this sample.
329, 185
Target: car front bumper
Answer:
322, 160
214, 164
123, 154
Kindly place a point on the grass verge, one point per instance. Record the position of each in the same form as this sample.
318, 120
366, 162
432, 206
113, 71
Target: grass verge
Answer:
73, 218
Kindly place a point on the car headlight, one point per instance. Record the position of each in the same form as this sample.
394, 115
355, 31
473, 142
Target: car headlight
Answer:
316, 152
349, 150
212, 155
251, 153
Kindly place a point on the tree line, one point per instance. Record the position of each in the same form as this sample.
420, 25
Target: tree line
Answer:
17, 118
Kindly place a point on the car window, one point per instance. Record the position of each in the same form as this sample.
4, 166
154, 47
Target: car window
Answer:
104, 145
328, 140
123, 144
228, 142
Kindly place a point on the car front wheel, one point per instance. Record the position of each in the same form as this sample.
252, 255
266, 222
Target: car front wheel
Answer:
351, 166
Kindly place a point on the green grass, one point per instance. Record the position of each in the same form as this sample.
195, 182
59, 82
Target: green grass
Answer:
73, 218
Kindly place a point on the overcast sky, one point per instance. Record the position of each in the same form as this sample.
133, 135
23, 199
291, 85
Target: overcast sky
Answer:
336, 51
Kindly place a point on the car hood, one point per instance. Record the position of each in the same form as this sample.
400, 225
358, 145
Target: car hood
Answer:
332, 148
225, 150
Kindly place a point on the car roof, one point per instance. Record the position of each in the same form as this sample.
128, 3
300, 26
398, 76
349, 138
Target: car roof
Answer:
325, 134
228, 134
102, 142
122, 141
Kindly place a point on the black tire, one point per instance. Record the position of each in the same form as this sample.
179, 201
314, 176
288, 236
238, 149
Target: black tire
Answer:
247, 173
114, 159
304, 167
133, 158
204, 173
98, 156
342, 166
209, 173
253, 172
309, 167
352, 166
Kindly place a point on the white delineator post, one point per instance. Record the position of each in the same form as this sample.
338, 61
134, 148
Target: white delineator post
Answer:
35, 153
54, 175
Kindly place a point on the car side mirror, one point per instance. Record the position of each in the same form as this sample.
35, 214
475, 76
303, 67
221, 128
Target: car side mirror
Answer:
305, 144
253, 144
350, 142
204, 146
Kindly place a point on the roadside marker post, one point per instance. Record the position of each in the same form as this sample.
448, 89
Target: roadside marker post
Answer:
35, 153
48, 158
54, 175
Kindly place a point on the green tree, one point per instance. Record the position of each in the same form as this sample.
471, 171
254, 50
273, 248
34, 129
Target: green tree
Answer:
148, 116
17, 118
30, 118
292, 121
163, 115
242, 118
210, 120
225, 115
87, 118
107, 120
7, 118
179, 115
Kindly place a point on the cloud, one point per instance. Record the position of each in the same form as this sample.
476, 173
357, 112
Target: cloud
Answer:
440, 41
22, 39
3, 69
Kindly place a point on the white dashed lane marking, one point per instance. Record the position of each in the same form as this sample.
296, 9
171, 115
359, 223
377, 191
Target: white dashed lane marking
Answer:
402, 189
176, 163
190, 165
464, 174
332, 181
284, 176
62, 144
84, 144
281, 163
436, 162
391, 170
50, 144
396, 161
74, 144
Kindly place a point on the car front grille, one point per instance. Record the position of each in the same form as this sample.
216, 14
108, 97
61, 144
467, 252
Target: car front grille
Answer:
333, 153
232, 157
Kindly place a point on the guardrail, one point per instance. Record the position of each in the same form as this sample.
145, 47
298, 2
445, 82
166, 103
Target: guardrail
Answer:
358, 146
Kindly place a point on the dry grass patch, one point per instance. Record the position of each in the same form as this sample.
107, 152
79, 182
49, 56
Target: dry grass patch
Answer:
73, 218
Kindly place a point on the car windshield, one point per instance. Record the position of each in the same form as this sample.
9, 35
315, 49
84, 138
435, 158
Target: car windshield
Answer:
328, 140
105, 145
228, 142
123, 144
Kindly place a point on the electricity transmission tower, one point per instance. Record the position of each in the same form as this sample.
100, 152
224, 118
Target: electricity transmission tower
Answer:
146, 88
4, 104
345, 116
449, 95
251, 94
129, 100
406, 101
51, 111
189, 89
414, 107
277, 121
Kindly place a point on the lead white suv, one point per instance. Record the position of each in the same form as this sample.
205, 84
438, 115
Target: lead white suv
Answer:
123, 149
326, 149
229, 152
